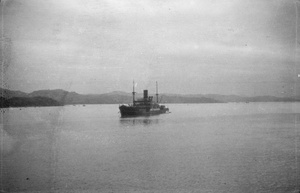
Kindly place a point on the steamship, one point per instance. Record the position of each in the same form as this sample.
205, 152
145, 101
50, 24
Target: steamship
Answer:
144, 106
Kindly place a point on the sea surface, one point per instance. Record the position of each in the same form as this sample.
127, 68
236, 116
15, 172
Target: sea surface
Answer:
230, 147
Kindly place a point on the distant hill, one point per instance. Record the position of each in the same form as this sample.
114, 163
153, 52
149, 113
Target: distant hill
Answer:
63, 97
186, 99
11, 98
236, 98
5, 93
66, 97
27, 102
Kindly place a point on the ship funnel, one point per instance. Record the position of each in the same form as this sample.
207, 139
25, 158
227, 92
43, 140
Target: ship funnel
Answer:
145, 94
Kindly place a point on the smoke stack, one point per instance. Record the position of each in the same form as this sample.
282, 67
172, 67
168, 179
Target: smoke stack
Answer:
145, 94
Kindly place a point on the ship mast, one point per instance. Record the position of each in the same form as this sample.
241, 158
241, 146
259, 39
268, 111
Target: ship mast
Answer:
156, 92
133, 92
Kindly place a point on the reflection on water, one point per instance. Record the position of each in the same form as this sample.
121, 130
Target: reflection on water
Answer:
145, 121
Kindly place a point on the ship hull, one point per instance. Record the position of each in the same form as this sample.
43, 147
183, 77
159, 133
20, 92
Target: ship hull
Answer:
131, 111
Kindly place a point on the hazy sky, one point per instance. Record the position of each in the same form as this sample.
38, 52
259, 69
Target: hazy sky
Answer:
97, 46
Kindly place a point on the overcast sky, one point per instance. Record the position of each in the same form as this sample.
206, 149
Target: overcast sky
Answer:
97, 46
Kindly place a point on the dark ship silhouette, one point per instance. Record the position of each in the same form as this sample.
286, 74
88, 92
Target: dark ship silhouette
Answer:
144, 106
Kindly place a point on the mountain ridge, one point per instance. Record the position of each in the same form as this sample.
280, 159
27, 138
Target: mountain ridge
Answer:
117, 97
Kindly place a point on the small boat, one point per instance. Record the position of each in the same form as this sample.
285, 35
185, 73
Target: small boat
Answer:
144, 106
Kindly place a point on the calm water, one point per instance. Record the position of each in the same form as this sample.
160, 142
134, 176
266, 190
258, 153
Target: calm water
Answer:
233, 147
